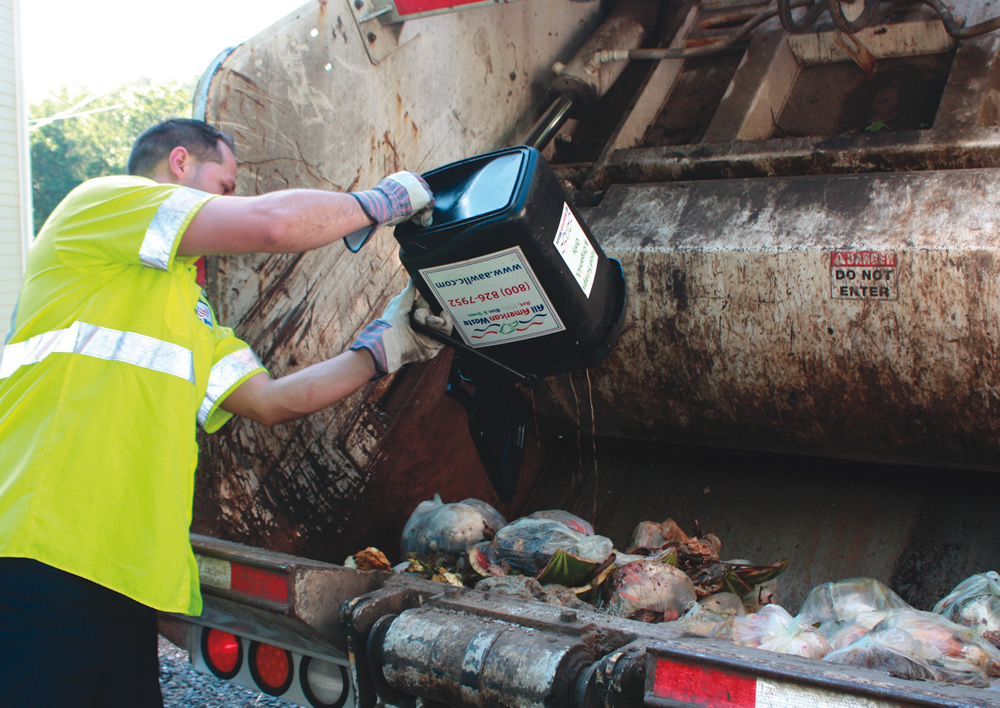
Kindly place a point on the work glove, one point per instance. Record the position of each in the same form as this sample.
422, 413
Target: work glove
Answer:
391, 339
395, 199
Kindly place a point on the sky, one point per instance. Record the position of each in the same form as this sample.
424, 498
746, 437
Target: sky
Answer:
101, 44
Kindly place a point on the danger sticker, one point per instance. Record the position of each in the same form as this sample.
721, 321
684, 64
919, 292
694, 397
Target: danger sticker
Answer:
864, 275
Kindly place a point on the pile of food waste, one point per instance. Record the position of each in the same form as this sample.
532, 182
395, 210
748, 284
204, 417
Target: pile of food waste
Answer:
665, 575
862, 622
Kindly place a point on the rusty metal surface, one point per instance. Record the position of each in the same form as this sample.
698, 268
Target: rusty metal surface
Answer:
457, 658
308, 108
738, 331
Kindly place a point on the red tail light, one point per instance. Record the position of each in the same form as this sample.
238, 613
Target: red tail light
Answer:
223, 652
271, 668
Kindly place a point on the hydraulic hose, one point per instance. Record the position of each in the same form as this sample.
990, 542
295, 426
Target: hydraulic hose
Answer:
793, 26
864, 18
692, 52
961, 32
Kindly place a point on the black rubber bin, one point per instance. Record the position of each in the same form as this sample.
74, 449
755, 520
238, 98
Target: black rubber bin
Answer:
516, 266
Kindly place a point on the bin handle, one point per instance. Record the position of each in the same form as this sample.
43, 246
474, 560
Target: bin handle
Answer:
529, 380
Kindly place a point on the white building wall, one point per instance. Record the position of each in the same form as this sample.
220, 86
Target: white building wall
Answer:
15, 192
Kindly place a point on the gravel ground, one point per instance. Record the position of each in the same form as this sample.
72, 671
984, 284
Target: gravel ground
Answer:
183, 687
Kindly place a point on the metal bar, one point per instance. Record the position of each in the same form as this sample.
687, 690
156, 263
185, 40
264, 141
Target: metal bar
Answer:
785, 157
549, 123
527, 379
374, 15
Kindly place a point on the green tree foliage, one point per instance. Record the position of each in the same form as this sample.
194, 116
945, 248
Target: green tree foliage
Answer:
77, 134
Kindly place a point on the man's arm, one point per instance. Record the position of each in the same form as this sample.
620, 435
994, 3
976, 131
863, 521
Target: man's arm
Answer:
293, 221
288, 221
272, 401
297, 220
385, 346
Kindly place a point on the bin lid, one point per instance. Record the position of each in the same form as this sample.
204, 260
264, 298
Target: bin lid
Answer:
475, 188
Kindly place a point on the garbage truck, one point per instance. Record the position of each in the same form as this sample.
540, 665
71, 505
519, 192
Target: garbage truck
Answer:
797, 203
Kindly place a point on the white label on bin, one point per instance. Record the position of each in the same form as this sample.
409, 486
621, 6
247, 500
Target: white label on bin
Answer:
574, 247
494, 299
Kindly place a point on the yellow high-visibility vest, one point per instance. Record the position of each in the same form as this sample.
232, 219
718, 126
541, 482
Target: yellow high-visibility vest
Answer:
113, 357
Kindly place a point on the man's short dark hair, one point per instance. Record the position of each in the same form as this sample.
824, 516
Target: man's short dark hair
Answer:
200, 139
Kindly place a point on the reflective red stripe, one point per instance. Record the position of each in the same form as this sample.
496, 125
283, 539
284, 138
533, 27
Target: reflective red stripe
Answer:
411, 7
258, 583
703, 686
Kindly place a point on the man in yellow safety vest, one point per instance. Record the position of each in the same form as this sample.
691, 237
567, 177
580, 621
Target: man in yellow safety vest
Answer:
112, 358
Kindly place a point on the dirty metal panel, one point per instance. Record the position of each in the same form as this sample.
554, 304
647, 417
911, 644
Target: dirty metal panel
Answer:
727, 4
309, 109
742, 328
893, 40
458, 658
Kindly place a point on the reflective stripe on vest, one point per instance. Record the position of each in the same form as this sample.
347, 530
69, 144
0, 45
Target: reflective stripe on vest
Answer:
227, 371
101, 343
158, 243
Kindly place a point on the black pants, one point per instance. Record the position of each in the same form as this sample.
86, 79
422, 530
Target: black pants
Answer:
68, 643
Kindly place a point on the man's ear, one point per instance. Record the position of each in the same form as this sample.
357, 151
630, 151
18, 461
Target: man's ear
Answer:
179, 162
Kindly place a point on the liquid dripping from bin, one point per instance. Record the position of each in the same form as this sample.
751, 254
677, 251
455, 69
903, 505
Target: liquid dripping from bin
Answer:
593, 440
579, 442
593, 444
